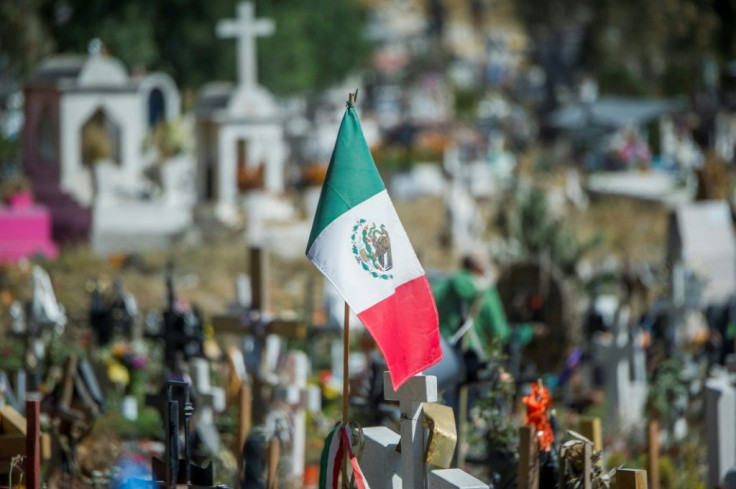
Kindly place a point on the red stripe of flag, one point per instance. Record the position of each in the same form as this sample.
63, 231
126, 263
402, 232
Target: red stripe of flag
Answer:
404, 326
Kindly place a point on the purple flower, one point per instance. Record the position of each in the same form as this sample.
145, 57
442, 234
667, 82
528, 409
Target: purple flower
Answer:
138, 362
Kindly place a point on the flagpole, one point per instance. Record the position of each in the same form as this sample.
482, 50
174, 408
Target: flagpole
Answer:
345, 388
345, 358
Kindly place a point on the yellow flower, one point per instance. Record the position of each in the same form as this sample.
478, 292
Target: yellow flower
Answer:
117, 373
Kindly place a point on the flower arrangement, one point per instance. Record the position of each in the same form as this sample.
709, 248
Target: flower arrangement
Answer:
125, 362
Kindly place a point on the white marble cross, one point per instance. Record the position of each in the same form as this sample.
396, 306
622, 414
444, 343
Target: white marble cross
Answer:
384, 467
625, 396
245, 28
300, 398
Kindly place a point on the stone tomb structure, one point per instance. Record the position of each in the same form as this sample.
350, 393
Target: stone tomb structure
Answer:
383, 466
240, 135
86, 123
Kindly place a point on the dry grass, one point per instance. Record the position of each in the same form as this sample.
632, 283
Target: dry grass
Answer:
205, 274
629, 228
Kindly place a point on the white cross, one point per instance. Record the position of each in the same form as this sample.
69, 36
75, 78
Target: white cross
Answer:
245, 28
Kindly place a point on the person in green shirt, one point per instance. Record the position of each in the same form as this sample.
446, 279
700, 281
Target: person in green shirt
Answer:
468, 293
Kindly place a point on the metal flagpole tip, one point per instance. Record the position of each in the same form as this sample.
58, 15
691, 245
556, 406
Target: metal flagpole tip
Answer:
352, 97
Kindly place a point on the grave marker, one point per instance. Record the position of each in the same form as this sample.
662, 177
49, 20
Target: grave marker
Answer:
720, 426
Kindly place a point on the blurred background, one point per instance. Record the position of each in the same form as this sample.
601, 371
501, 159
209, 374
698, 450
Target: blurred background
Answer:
577, 155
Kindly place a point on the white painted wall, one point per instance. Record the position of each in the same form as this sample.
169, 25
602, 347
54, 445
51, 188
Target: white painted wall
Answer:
265, 143
76, 108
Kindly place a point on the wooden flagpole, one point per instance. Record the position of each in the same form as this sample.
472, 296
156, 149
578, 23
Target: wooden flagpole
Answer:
345, 357
345, 389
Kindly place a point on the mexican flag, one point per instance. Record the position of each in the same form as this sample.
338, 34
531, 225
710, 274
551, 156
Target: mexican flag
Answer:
359, 244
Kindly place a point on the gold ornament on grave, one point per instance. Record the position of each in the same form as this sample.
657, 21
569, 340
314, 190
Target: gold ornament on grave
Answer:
442, 438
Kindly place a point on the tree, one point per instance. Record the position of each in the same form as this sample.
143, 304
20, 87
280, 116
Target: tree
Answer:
23, 39
317, 42
636, 46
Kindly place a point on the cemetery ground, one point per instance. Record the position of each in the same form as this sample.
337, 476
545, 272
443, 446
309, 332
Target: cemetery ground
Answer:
205, 272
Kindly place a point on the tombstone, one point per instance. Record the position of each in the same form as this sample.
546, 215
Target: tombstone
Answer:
720, 426
384, 467
240, 140
701, 238
180, 328
82, 110
622, 362
464, 225
261, 331
300, 398
42, 318
209, 400
25, 229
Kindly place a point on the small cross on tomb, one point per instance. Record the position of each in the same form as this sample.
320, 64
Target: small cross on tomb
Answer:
209, 400
262, 330
300, 398
625, 396
379, 462
246, 28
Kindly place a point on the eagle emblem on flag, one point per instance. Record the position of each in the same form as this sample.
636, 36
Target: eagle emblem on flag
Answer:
372, 248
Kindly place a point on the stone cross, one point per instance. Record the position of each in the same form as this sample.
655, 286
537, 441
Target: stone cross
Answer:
384, 467
720, 427
300, 399
261, 330
246, 28
411, 395
624, 396
209, 400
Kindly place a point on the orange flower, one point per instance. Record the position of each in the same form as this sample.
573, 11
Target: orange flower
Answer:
537, 404
119, 350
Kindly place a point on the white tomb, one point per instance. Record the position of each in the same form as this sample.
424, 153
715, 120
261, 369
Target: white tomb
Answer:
701, 239
720, 426
86, 126
239, 131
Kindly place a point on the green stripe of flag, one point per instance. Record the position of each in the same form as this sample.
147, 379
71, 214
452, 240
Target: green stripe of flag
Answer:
351, 178
324, 460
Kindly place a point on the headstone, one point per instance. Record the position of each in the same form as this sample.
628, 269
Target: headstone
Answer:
381, 464
241, 146
25, 230
625, 393
380, 452
210, 400
85, 110
300, 399
701, 238
720, 427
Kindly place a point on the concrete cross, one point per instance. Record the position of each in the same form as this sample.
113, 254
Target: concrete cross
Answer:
300, 398
411, 395
245, 28
383, 466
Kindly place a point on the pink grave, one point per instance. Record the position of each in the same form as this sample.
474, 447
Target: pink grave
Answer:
25, 229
